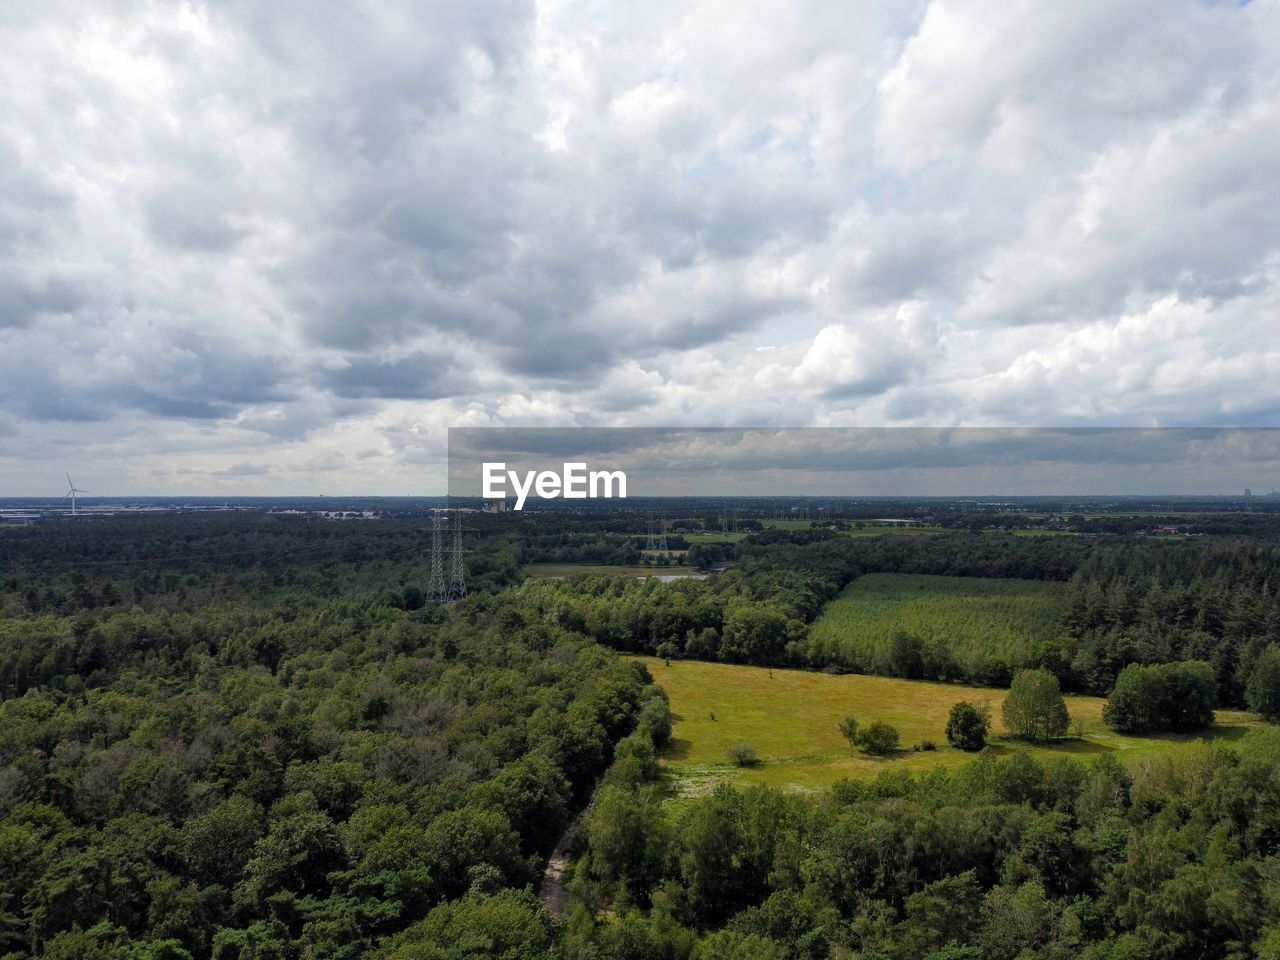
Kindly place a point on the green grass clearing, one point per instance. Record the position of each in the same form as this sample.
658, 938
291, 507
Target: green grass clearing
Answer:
712, 536
551, 571
790, 718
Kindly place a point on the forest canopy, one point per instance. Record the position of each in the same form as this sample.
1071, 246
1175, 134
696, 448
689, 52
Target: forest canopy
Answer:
242, 736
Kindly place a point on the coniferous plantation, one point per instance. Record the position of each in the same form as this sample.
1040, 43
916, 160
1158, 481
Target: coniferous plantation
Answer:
243, 736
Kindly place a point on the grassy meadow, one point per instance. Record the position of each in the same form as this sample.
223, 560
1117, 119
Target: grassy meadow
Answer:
790, 718
967, 617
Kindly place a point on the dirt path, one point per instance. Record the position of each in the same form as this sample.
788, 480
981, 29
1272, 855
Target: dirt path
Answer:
552, 891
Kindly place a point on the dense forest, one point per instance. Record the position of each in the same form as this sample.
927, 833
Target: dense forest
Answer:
249, 737
242, 739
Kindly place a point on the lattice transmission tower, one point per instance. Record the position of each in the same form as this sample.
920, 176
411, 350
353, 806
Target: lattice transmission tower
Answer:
458, 574
436, 592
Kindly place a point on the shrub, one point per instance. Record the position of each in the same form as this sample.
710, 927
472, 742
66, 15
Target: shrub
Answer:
967, 725
924, 746
878, 738
743, 755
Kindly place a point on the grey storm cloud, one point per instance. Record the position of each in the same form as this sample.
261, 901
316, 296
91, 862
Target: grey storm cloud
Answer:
273, 234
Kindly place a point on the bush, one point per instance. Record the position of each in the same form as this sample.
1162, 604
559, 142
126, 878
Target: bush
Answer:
925, 746
1034, 708
743, 755
1163, 696
967, 726
878, 738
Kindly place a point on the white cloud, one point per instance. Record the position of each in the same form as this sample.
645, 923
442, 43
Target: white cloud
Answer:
276, 235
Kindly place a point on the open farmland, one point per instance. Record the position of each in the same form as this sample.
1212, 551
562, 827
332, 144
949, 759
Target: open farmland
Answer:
790, 718
962, 624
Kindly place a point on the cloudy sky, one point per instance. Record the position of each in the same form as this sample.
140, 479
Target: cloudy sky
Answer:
282, 247
876, 461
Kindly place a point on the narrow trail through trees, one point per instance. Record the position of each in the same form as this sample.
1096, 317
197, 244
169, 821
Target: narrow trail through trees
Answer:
552, 892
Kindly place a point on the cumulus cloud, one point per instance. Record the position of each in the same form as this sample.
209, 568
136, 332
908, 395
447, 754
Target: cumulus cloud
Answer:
310, 238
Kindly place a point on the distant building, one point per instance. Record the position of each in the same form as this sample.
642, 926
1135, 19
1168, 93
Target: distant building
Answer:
1248, 492
496, 506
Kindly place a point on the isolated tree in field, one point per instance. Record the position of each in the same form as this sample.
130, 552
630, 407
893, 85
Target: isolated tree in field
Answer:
967, 725
878, 738
743, 754
849, 730
1262, 692
1034, 708
666, 650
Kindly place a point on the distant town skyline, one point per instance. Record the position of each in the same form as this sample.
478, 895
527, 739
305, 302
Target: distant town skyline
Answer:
282, 248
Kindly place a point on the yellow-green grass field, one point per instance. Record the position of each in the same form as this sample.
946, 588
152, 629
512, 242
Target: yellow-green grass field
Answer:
552, 571
868, 528
712, 536
790, 718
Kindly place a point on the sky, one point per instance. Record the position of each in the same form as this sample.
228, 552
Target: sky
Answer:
281, 248
872, 461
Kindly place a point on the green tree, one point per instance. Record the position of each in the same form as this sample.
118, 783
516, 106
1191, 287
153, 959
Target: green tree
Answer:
534, 795
1163, 696
731, 945
945, 912
297, 855
849, 730
459, 841
510, 924
627, 841
710, 843
878, 738
754, 632
967, 725
1034, 708
634, 761
906, 655
1262, 692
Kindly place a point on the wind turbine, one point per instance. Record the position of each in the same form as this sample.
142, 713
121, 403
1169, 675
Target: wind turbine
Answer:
71, 492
